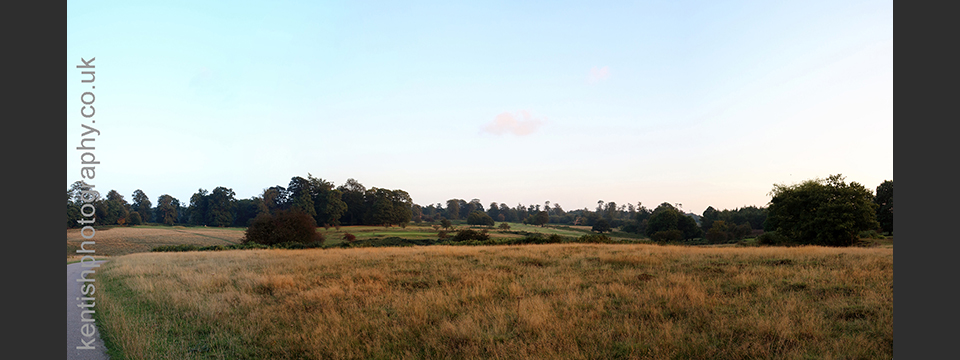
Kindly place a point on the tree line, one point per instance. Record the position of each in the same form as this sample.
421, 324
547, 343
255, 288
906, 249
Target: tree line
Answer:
348, 204
353, 204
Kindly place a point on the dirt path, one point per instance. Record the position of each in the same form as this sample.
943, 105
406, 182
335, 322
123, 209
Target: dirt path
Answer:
80, 333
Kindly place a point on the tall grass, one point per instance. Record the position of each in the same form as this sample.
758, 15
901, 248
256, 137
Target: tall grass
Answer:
569, 301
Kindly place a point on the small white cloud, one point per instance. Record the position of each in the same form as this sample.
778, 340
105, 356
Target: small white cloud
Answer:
509, 123
596, 75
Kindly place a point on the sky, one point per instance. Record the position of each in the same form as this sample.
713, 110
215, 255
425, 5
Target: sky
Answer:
697, 103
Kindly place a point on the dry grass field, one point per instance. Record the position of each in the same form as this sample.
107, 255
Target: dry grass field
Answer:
570, 301
127, 240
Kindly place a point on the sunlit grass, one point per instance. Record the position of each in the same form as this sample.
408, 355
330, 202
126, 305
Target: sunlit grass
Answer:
119, 240
572, 301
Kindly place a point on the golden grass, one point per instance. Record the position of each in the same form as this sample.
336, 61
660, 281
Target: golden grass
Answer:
571, 301
127, 240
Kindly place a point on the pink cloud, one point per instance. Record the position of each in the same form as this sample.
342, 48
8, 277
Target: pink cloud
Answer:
598, 74
509, 123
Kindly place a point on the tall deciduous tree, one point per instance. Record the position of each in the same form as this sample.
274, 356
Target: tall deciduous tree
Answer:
453, 209
167, 210
601, 225
822, 211
142, 205
541, 218
884, 201
222, 204
300, 196
113, 210
352, 195
198, 208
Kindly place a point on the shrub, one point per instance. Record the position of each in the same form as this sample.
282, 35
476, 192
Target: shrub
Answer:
595, 239
349, 237
667, 236
601, 226
468, 234
535, 238
871, 234
716, 235
504, 226
285, 226
771, 238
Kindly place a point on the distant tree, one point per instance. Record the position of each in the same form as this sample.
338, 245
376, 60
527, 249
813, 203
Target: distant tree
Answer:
541, 218
494, 210
417, 212
246, 210
113, 210
141, 204
742, 230
666, 217
718, 232
199, 203
709, 216
822, 211
134, 218
300, 196
444, 223
74, 202
352, 195
479, 218
221, 205
453, 209
884, 201
167, 210
504, 226
402, 207
688, 226
601, 225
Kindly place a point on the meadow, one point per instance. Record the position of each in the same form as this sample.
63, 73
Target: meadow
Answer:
123, 240
557, 301
117, 241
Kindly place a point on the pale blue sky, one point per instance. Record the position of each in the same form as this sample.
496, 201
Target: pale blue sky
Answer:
702, 103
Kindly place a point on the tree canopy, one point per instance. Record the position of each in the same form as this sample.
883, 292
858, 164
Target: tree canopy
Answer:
822, 211
884, 201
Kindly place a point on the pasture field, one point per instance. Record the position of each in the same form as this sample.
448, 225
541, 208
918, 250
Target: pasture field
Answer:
425, 231
556, 301
118, 241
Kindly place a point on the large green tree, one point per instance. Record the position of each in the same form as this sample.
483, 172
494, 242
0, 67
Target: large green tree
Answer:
826, 212
352, 194
541, 218
222, 204
167, 210
884, 201
198, 208
453, 209
300, 196
666, 217
113, 210
141, 205
328, 202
